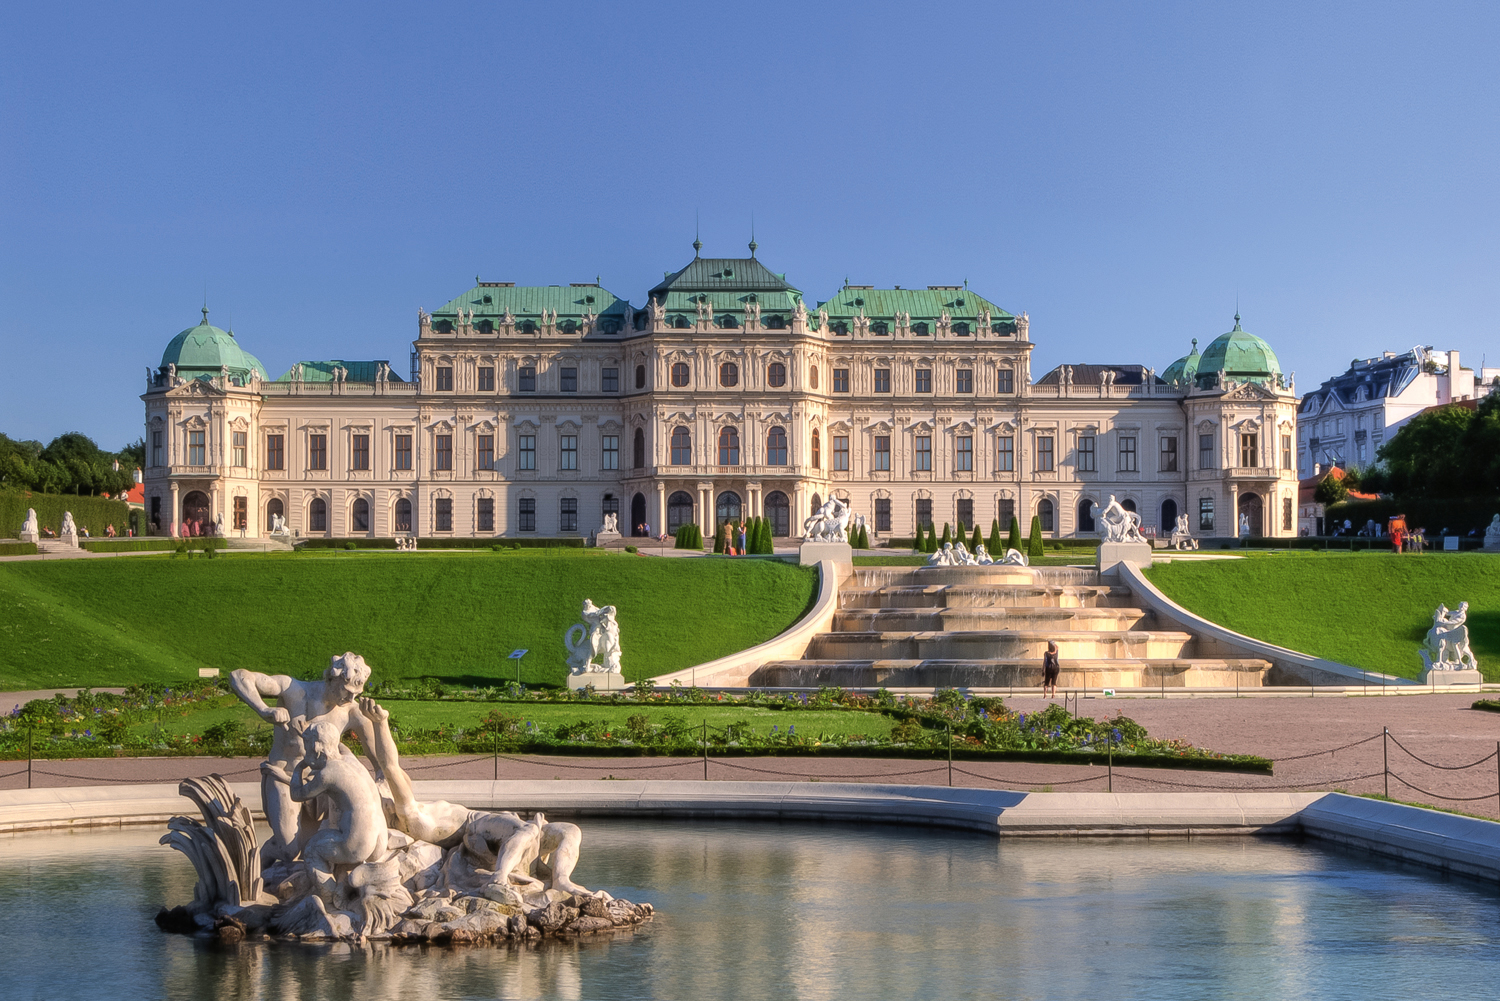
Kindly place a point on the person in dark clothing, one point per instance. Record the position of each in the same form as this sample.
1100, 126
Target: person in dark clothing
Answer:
1050, 667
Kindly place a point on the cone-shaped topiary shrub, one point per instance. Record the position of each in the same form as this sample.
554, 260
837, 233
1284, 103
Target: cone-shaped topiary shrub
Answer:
1014, 540
995, 540
947, 536
1034, 544
977, 541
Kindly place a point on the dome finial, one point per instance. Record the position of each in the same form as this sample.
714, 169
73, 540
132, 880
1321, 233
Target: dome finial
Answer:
1195, 344
697, 243
205, 315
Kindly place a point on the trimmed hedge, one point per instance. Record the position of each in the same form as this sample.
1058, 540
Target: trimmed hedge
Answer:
475, 543
150, 545
94, 513
17, 548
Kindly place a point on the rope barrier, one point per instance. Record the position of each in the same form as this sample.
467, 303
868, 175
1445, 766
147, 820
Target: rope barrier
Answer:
869, 775
1438, 795
1331, 750
622, 768
1257, 788
1024, 782
1446, 768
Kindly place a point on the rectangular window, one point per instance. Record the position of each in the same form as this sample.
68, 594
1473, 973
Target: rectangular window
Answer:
924, 512
1044, 460
241, 443
445, 379
317, 451
570, 380
1286, 514
963, 454
841, 452
1086, 454
403, 451
1005, 453
484, 452
609, 381
526, 383
882, 514
528, 452
1005, 380
1286, 451
1205, 451
444, 512
882, 380
241, 513
611, 452
1249, 450
883, 452
526, 520
841, 380
485, 516
963, 510
275, 451
1206, 514
486, 379
924, 380
965, 381
1127, 455
197, 450
921, 460
359, 452
442, 457
1007, 512
569, 452
1169, 456
156, 437
567, 514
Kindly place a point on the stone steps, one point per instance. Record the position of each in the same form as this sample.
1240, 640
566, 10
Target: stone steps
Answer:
1018, 673
966, 596
999, 644
988, 619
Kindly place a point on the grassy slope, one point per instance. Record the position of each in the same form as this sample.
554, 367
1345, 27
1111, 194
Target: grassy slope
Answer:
1368, 610
449, 615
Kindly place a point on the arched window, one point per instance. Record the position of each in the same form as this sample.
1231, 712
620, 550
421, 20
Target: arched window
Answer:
317, 515
728, 508
779, 513
729, 447
920, 329
840, 329
1168, 516
640, 377
960, 329
727, 321
682, 447
403, 515
879, 328
817, 503
776, 375
776, 447
1086, 516
774, 322
679, 511
274, 510
817, 450
1044, 513
361, 513
1128, 504
812, 376
679, 374
729, 374
640, 448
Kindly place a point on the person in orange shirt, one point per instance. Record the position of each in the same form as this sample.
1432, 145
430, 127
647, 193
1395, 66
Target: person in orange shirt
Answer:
1397, 527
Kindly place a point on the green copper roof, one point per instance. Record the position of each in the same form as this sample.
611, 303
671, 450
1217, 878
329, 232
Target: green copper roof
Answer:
922, 304
1182, 371
494, 299
205, 349
725, 274
1239, 355
322, 371
729, 285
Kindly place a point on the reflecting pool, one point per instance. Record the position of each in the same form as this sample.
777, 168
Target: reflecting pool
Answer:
806, 911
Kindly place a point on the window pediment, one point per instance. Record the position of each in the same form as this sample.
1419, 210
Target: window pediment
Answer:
839, 427
527, 425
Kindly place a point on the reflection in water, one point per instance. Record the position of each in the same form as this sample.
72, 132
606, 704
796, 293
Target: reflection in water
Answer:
810, 912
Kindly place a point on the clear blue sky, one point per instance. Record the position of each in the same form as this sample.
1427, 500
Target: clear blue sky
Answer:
1121, 171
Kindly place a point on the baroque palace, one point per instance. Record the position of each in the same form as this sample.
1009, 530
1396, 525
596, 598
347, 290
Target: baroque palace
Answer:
537, 410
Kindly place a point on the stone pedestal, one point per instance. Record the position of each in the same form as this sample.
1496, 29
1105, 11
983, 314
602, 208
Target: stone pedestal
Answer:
30, 536
1441, 678
603, 681
1112, 554
603, 538
71, 539
813, 553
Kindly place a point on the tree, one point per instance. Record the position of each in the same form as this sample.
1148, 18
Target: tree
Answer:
1330, 490
977, 541
1014, 540
932, 538
1427, 456
960, 532
1034, 544
947, 535
994, 543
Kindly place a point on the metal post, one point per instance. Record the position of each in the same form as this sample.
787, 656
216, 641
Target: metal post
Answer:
497, 757
1385, 758
705, 750
950, 755
1111, 766
29, 732
1497, 761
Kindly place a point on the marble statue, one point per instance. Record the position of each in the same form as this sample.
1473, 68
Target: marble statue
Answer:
407, 544
368, 860
598, 639
830, 524
29, 530
962, 556
982, 556
1446, 647
611, 524
69, 531
1244, 525
1014, 558
1119, 525
278, 526
1492, 534
1182, 538
943, 557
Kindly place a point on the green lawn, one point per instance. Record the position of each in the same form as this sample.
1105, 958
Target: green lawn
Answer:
453, 616
1368, 610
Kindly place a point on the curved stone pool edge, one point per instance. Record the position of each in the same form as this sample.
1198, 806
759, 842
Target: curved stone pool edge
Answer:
1443, 841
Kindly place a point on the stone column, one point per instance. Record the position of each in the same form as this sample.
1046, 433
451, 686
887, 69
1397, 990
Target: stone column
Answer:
176, 510
660, 521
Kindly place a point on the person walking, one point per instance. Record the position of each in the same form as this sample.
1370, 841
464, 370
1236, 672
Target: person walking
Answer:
1050, 669
742, 538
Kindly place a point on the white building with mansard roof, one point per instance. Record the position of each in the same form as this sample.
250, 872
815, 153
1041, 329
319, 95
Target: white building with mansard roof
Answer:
535, 411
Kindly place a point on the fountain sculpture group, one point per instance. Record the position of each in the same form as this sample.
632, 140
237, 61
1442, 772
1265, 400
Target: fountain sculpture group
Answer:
355, 856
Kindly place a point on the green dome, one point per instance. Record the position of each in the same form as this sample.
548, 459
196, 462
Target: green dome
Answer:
1240, 356
205, 349
1182, 371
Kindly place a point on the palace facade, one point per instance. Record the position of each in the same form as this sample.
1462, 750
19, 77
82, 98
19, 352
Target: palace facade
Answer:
536, 410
